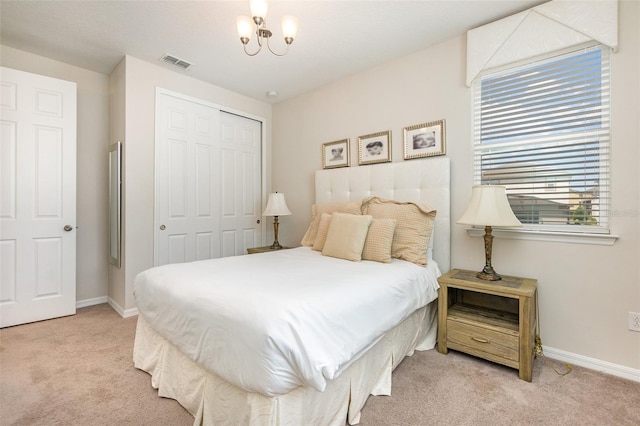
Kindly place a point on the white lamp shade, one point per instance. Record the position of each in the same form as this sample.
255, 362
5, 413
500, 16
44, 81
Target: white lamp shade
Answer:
244, 24
489, 206
289, 26
276, 206
258, 8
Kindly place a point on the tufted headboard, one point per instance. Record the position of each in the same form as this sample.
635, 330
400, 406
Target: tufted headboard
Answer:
424, 181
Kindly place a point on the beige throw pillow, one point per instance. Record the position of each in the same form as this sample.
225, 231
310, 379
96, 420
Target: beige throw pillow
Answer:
377, 246
414, 224
323, 230
346, 236
316, 214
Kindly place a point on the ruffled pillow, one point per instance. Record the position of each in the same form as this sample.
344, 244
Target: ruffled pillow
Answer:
414, 224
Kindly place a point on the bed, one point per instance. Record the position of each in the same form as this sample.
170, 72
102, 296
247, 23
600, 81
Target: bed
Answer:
304, 348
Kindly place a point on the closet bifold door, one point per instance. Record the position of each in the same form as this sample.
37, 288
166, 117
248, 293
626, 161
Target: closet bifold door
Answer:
208, 181
241, 206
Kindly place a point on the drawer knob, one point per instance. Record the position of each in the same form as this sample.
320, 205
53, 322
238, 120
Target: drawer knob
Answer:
478, 339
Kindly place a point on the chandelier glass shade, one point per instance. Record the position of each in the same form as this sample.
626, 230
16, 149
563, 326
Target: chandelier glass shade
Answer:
258, 25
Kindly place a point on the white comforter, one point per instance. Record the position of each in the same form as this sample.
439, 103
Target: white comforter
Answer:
272, 322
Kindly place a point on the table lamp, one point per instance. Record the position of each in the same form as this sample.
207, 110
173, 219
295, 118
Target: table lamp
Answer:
489, 207
276, 206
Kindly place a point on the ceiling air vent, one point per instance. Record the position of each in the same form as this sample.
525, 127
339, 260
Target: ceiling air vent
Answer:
170, 59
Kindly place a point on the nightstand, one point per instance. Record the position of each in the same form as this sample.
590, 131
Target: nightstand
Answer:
494, 320
264, 249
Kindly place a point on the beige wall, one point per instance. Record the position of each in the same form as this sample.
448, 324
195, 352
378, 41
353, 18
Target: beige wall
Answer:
117, 115
140, 81
92, 160
585, 291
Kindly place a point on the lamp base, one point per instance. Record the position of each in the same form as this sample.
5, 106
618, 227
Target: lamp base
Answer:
487, 273
488, 276
275, 246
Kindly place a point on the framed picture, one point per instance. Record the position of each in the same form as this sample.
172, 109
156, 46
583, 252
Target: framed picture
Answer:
374, 148
424, 140
335, 154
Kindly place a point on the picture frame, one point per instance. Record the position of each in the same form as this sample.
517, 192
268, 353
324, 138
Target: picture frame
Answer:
335, 154
424, 140
374, 148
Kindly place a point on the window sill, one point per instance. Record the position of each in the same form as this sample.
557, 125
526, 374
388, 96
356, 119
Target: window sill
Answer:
558, 237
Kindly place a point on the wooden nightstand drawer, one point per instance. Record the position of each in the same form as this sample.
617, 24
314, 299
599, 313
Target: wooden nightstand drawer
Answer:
488, 342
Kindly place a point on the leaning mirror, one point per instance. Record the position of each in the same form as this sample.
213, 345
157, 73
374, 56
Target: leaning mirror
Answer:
115, 183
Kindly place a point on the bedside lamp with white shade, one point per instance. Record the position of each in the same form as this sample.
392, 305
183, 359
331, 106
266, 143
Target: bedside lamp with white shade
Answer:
276, 206
489, 207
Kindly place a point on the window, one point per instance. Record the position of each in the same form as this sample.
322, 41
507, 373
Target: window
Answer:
542, 131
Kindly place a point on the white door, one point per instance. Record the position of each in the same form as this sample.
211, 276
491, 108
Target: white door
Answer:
208, 172
241, 177
37, 198
187, 181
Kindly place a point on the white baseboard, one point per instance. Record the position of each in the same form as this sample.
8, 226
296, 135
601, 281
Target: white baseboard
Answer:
124, 313
90, 302
593, 364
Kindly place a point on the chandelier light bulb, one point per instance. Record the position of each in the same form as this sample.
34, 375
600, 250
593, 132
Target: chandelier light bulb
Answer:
245, 28
259, 8
289, 28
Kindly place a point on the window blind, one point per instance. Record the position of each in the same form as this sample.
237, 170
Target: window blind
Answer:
543, 131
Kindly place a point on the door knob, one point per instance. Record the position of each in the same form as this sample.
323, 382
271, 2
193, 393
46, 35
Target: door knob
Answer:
68, 228
162, 227
258, 221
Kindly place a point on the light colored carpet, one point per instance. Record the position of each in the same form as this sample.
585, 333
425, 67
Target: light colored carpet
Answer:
78, 371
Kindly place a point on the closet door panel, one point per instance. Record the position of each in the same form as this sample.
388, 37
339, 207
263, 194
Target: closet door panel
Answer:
208, 181
187, 184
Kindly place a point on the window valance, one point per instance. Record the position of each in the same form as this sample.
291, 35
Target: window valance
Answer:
546, 28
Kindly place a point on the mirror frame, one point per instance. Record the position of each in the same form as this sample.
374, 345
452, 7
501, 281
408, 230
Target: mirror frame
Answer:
115, 202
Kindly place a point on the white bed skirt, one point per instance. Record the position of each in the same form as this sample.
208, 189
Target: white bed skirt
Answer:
213, 401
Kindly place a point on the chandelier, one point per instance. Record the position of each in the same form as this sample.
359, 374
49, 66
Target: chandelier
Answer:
246, 26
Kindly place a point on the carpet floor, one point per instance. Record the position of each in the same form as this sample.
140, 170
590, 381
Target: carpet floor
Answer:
78, 370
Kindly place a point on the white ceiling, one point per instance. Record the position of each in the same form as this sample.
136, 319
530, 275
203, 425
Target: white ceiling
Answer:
335, 38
